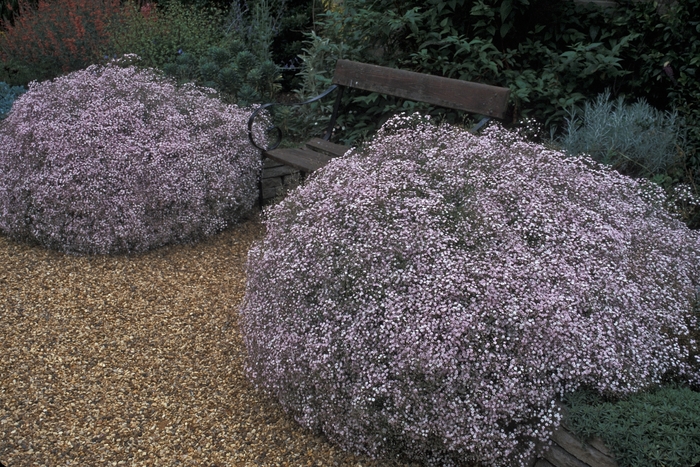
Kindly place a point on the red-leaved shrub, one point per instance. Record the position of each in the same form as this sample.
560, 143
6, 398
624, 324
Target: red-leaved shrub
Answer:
57, 36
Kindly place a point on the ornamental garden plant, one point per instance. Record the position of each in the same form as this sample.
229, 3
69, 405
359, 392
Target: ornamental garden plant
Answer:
116, 159
432, 294
42, 39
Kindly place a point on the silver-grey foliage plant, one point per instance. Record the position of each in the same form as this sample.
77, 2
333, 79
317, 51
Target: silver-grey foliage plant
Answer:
432, 294
118, 159
635, 139
8, 95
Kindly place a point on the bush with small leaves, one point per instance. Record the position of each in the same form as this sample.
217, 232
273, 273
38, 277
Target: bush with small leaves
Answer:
118, 159
432, 294
158, 34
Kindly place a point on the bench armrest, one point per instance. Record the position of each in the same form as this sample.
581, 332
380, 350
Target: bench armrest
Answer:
273, 128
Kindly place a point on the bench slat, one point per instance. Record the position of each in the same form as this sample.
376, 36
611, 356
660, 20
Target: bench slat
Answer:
326, 147
482, 99
305, 160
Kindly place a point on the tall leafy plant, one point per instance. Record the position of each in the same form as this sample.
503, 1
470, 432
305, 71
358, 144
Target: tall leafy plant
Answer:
666, 66
550, 55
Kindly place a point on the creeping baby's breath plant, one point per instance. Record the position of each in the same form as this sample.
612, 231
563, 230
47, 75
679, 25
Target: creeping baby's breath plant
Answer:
117, 159
432, 294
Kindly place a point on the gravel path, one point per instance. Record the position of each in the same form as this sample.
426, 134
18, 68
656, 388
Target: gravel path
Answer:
137, 360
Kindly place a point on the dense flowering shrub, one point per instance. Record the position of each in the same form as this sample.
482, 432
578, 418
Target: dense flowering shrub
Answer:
113, 159
432, 294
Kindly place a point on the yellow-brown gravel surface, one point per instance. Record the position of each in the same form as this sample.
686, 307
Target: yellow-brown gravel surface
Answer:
138, 360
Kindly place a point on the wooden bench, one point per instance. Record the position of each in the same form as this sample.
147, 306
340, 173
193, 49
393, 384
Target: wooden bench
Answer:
481, 99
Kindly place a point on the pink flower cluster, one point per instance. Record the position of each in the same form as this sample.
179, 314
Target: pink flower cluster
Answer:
432, 294
117, 159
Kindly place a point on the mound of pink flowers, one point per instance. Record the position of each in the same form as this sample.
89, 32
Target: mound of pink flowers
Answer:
431, 295
117, 159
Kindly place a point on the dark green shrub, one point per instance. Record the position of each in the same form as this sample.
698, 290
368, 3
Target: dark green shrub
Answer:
648, 429
8, 95
230, 69
672, 47
8, 10
202, 4
288, 44
240, 64
551, 55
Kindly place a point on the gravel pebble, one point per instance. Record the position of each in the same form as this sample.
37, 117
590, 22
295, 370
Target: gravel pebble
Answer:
138, 360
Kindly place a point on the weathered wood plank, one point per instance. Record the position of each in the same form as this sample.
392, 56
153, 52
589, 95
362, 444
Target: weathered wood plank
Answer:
301, 159
599, 444
582, 451
476, 98
326, 147
560, 458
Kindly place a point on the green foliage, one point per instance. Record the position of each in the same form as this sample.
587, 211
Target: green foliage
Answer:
288, 43
655, 428
158, 34
230, 69
635, 139
551, 54
8, 95
202, 4
669, 43
240, 65
547, 53
201, 45
256, 23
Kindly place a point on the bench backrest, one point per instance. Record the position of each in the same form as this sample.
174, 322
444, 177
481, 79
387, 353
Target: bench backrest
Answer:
482, 99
